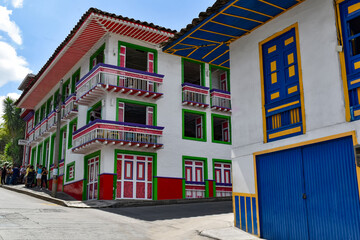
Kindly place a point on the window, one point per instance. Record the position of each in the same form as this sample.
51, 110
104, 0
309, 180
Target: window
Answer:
221, 128
219, 78
75, 79
63, 143
40, 155
56, 96
136, 112
195, 173
72, 129
36, 117
94, 112
70, 172
193, 72
66, 90
97, 57
350, 25
194, 125
222, 177
282, 97
137, 57
30, 125
42, 112
50, 105
47, 153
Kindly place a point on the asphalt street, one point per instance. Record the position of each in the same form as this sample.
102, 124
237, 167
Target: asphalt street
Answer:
25, 217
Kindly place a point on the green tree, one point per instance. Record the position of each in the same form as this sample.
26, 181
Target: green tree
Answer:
11, 131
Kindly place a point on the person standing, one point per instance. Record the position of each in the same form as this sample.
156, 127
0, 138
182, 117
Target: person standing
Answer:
3, 175
38, 176
27, 173
44, 178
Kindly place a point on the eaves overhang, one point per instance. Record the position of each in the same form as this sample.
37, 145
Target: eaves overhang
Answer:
208, 38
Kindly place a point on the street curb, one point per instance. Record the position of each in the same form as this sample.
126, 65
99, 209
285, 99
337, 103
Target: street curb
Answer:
115, 203
46, 198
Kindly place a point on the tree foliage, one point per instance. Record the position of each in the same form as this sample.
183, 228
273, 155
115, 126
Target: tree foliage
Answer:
11, 131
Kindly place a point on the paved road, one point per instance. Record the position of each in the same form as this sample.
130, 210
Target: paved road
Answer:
25, 217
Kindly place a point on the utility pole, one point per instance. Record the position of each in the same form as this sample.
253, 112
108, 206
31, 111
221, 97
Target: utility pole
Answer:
57, 142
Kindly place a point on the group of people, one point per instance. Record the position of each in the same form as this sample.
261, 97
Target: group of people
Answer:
29, 176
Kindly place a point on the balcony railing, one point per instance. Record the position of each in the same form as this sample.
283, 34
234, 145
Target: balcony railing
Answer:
220, 100
117, 79
31, 136
103, 132
69, 108
194, 95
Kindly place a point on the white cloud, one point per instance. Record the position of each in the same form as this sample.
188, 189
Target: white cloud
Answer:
9, 26
17, 3
12, 66
14, 96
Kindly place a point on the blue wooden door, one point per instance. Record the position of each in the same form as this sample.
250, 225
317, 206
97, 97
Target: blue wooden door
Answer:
332, 190
281, 206
309, 192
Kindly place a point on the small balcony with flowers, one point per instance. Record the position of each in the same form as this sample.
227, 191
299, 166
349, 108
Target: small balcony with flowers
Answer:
220, 100
109, 78
100, 132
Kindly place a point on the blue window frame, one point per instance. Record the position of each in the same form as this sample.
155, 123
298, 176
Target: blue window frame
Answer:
350, 25
282, 97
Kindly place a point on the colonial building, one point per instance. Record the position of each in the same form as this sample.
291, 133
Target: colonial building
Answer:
295, 80
136, 123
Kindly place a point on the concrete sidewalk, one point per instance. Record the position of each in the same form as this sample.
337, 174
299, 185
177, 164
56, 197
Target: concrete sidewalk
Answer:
63, 199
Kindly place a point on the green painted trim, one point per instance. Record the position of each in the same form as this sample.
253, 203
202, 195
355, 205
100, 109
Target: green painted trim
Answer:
55, 98
154, 106
202, 69
222, 68
36, 117
40, 149
92, 108
67, 172
33, 153
71, 124
52, 149
203, 114
64, 128
85, 182
214, 160
139, 48
154, 166
42, 112
101, 49
203, 159
44, 151
212, 128
66, 83
73, 83
48, 110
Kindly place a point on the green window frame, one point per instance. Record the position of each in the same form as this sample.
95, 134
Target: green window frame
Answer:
206, 179
215, 160
42, 112
36, 117
70, 137
96, 105
48, 105
202, 69
227, 77
203, 116
228, 118
86, 174
95, 55
154, 106
39, 155
137, 47
65, 85
62, 130
68, 166
52, 149
74, 77
44, 152
33, 155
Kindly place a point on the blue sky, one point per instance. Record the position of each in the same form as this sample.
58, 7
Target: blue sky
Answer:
31, 30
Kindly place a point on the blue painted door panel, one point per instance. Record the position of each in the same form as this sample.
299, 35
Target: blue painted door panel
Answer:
332, 191
309, 192
281, 207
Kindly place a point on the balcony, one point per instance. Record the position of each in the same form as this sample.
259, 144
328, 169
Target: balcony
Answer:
220, 100
52, 120
102, 132
69, 109
195, 95
31, 137
105, 77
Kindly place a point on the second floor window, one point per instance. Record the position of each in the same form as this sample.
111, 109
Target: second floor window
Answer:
135, 113
137, 57
98, 57
219, 78
193, 72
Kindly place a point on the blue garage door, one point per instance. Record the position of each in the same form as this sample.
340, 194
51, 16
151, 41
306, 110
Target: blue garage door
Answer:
309, 192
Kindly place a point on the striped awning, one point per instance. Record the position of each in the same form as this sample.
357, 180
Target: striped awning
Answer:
208, 41
92, 29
